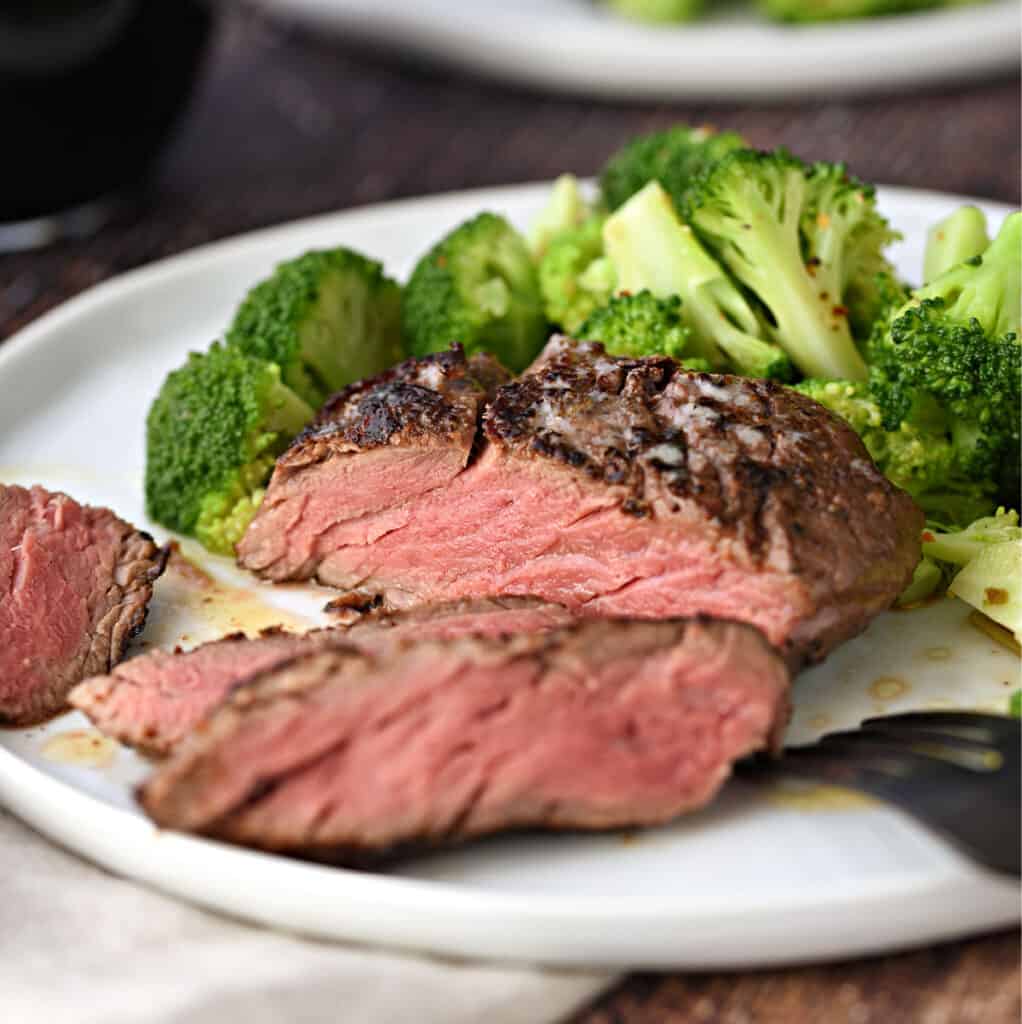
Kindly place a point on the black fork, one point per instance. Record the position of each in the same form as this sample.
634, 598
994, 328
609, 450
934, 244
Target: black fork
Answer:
956, 771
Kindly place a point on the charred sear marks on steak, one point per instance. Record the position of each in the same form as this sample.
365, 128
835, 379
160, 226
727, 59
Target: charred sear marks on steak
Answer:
434, 397
663, 435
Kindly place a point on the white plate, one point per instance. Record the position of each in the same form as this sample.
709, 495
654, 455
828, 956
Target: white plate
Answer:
755, 879
731, 53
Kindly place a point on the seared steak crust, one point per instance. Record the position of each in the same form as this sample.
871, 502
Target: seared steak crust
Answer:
434, 399
75, 584
338, 754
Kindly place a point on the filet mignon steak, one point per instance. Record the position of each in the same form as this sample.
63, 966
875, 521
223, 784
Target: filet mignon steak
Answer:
75, 583
153, 700
613, 486
340, 753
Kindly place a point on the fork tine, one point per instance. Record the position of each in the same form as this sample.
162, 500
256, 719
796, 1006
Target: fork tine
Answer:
997, 729
975, 740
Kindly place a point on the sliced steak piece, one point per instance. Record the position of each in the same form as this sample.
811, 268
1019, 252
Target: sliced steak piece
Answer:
154, 700
616, 487
75, 583
601, 725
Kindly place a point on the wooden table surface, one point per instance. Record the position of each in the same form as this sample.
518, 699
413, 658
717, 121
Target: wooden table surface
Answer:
284, 125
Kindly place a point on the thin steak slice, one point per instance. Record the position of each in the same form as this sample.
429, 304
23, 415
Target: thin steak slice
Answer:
615, 487
75, 583
339, 754
152, 701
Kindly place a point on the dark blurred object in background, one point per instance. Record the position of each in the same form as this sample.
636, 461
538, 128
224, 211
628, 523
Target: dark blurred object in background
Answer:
89, 90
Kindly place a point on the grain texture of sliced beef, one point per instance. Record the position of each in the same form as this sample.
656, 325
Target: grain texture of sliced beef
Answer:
75, 583
153, 700
613, 486
340, 753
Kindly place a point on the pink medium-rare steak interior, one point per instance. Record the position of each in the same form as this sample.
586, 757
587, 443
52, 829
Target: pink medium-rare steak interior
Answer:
596, 726
616, 487
153, 701
75, 583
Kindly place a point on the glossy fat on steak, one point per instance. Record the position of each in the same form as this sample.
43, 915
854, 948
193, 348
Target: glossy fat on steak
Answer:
600, 725
612, 486
75, 584
152, 701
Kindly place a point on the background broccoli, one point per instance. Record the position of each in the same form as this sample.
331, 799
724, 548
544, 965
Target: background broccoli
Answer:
674, 158
326, 319
657, 10
793, 236
476, 286
642, 325
834, 10
212, 436
575, 278
651, 249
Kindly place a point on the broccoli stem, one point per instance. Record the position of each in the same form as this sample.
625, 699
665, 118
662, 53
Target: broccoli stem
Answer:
957, 238
565, 209
805, 303
987, 287
652, 249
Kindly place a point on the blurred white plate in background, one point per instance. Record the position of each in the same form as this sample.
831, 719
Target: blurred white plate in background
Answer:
762, 876
576, 46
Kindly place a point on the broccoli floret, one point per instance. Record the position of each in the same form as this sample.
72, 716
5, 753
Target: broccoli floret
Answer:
212, 436
834, 10
575, 277
674, 158
657, 10
476, 286
652, 249
793, 235
326, 319
638, 325
951, 362
919, 461
960, 236
565, 210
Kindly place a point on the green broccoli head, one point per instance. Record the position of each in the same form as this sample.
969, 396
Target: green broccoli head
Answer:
794, 236
960, 236
575, 278
650, 248
639, 325
835, 10
920, 460
951, 363
212, 436
674, 158
326, 319
477, 286
657, 10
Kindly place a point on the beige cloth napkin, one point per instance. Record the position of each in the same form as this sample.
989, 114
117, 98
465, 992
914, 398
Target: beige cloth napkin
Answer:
80, 946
